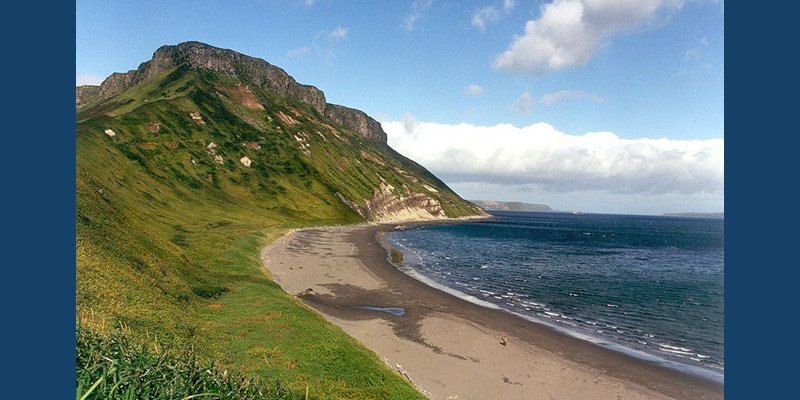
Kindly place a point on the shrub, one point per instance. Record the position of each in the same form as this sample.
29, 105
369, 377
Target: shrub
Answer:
209, 292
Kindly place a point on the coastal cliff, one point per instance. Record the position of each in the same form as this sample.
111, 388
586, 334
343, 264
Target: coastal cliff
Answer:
189, 163
196, 55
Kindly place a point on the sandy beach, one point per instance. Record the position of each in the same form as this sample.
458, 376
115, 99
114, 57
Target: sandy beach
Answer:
448, 347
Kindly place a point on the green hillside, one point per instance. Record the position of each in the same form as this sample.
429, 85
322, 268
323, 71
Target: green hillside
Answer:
169, 225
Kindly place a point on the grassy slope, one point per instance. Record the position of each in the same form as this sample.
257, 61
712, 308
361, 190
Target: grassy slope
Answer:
170, 247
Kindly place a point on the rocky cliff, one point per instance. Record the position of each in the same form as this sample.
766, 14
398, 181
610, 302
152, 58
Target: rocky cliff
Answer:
356, 120
86, 94
253, 70
387, 206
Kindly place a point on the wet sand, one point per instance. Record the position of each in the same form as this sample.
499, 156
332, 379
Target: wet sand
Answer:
448, 347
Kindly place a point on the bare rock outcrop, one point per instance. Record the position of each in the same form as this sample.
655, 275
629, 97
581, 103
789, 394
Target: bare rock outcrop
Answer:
387, 206
356, 120
201, 55
252, 70
86, 94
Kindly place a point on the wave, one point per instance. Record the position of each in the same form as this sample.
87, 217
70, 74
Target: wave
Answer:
612, 325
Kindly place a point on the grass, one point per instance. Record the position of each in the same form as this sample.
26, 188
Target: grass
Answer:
168, 240
120, 366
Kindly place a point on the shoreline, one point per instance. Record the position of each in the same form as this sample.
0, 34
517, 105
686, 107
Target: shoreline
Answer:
436, 333
688, 369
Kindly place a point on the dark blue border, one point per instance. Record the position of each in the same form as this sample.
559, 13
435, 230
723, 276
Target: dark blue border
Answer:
761, 179
39, 200
38, 192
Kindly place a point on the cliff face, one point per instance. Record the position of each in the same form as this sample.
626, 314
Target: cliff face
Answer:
387, 206
356, 120
253, 70
86, 94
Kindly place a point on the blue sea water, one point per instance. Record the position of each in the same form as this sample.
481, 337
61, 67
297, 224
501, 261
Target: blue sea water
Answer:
651, 286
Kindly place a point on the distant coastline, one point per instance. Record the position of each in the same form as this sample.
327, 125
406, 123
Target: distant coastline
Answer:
720, 215
496, 205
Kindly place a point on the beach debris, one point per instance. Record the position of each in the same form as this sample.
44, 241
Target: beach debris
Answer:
504, 340
306, 293
110, 133
510, 382
402, 371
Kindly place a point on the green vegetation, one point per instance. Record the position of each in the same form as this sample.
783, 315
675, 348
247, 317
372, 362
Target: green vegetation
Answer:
168, 239
396, 256
122, 367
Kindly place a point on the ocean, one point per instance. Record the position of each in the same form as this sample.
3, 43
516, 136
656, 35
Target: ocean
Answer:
646, 285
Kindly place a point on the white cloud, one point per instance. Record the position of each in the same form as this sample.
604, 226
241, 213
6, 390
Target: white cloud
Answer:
298, 53
524, 103
483, 16
568, 33
88, 79
339, 33
418, 9
473, 90
322, 45
508, 5
308, 3
564, 95
541, 156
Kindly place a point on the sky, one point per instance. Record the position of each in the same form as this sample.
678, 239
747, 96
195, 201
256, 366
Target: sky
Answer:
610, 106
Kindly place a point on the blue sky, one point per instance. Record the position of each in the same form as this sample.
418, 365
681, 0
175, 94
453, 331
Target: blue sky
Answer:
645, 69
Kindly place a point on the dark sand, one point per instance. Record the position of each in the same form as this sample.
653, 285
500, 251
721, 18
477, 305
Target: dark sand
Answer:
451, 348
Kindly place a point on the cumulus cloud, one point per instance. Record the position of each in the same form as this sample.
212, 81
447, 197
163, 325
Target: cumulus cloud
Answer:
568, 33
539, 155
483, 16
418, 9
88, 79
524, 103
473, 90
339, 33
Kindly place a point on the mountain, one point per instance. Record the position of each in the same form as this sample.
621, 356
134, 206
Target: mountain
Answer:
186, 167
237, 106
494, 205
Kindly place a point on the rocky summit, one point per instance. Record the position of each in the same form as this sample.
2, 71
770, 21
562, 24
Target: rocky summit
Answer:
253, 70
215, 119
